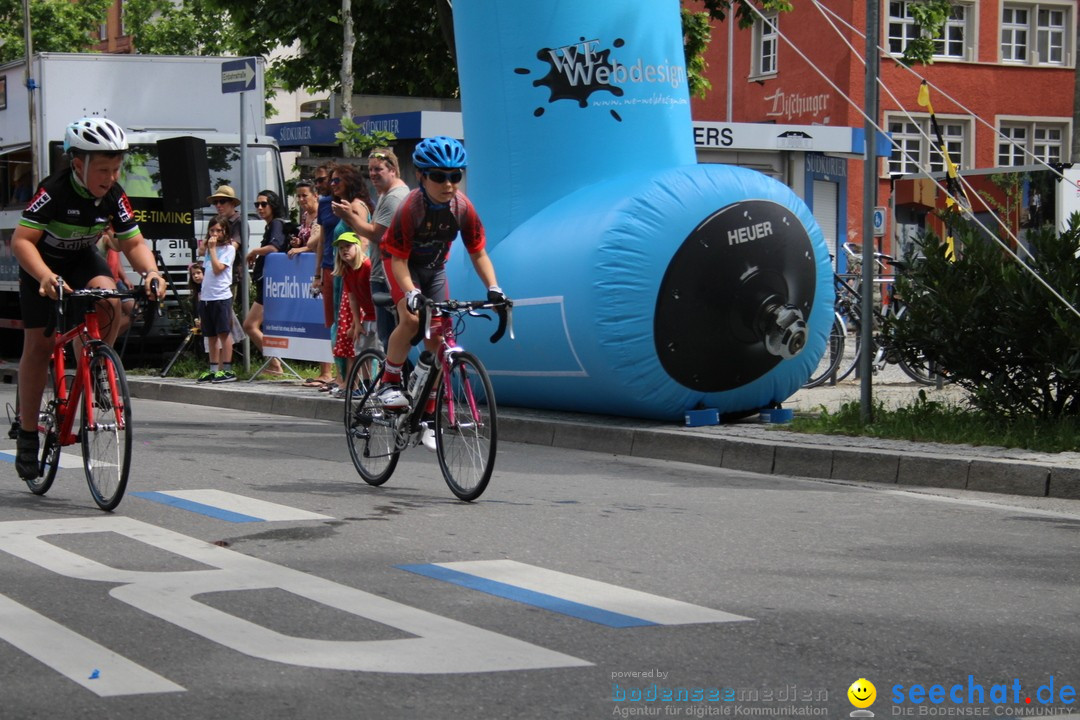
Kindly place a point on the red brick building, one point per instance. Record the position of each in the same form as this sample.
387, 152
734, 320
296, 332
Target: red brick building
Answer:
1008, 66
111, 36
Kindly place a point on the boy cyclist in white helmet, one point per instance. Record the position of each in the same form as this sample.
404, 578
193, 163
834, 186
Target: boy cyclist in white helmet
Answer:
56, 239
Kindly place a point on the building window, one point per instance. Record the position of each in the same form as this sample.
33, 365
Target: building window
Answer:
1014, 34
916, 146
1036, 33
765, 45
951, 45
123, 18
103, 31
1043, 141
951, 42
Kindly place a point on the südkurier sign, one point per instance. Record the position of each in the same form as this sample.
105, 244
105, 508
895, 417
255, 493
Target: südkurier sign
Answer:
414, 125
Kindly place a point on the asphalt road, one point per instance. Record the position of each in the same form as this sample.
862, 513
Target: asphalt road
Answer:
581, 585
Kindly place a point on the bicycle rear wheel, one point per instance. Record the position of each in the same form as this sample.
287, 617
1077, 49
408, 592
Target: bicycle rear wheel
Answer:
106, 428
369, 428
465, 427
917, 368
834, 354
48, 439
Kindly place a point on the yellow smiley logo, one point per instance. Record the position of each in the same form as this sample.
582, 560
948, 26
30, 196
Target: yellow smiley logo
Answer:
862, 693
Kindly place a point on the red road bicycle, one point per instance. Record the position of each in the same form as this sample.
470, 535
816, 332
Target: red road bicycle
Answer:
98, 387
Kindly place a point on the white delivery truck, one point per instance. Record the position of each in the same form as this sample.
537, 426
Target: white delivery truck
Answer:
154, 98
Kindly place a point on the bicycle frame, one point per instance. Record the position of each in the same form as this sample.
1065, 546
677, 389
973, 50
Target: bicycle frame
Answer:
444, 357
89, 332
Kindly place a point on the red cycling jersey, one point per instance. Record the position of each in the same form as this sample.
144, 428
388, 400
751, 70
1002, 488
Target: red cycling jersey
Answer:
422, 232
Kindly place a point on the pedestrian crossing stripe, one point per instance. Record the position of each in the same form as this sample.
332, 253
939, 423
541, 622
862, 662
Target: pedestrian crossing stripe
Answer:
578, 597
68, 461
228, 506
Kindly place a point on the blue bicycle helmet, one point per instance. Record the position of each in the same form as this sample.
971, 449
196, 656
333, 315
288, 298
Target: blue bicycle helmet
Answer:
439, 152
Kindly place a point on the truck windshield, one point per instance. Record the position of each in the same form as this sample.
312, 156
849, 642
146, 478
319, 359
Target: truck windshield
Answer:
141, 173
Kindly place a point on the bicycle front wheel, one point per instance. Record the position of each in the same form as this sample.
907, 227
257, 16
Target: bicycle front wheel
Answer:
834, 354
106, 428
369, 428
465, 427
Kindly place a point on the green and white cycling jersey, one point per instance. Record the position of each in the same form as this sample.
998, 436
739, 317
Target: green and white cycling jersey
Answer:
72, 219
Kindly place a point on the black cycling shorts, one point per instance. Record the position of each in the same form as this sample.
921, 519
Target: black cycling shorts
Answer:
77, 270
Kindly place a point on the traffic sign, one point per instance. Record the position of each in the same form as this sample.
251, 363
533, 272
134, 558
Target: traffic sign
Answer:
879, 221
238, 75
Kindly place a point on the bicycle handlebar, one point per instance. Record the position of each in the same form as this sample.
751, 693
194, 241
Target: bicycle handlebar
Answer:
138, 293
504, 309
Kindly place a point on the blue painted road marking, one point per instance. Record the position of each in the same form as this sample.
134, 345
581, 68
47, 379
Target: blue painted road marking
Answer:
528, 597
578, 597
229, 506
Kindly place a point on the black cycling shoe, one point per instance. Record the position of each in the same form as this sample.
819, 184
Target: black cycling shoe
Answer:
26, 455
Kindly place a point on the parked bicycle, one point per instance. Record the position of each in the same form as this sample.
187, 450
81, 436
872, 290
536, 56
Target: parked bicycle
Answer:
98, 388
465, 420
841, 360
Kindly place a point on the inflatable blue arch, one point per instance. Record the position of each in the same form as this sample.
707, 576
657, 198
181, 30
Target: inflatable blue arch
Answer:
645, 284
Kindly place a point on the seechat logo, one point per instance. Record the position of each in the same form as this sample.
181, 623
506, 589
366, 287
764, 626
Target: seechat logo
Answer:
862, 694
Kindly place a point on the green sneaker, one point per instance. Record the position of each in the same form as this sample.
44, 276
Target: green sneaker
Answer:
205, 377
224, 376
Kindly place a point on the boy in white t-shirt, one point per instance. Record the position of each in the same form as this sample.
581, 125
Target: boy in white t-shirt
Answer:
215, 303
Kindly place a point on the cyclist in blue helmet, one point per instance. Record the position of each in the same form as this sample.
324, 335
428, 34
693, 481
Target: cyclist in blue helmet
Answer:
415, 248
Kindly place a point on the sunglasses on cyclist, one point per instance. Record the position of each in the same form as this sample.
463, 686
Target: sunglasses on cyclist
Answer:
324, 178
439, 176
259, 204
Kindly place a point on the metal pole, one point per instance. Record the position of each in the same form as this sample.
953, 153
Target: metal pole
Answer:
866, 400
28, 80
245, 282
730, 62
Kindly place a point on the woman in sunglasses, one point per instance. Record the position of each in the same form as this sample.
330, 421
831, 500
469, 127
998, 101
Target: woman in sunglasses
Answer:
415, 249
269, 207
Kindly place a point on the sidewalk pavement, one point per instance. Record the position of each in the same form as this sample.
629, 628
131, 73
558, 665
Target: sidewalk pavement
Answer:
749, 445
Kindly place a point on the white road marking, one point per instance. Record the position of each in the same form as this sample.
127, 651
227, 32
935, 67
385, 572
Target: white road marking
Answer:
435, 644
83, 661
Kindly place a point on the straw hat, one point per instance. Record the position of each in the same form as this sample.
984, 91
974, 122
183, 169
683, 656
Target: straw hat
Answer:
224, 192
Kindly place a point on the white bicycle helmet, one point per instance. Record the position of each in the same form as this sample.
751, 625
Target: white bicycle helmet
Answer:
95, 134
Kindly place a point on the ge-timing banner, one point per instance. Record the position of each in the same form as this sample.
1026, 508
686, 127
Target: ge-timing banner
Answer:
293, 325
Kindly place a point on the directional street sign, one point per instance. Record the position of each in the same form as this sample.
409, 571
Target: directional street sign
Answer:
238, 75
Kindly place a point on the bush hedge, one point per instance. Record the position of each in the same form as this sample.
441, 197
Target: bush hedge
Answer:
991, 326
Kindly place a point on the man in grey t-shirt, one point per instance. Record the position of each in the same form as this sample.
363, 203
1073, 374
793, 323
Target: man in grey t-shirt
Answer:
383, 169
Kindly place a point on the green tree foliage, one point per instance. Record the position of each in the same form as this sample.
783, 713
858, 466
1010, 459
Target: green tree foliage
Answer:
743, 9
696, 35
992, 327
930, 17
57, 25
193, 27
399, 46
357, 142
